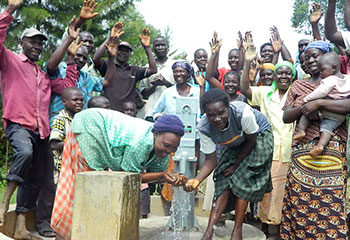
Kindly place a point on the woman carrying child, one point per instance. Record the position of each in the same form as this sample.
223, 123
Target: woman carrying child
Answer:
314, 201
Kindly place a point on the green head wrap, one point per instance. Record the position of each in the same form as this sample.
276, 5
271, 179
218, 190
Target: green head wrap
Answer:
287, 64
274, 83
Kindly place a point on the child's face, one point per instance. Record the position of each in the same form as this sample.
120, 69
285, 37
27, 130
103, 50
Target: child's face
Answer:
231, 84
74, 102
129, 109
326, 69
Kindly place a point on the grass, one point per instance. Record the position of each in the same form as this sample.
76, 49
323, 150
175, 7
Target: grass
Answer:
3, 186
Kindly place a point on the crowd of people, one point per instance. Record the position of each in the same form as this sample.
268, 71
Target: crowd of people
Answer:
271, 130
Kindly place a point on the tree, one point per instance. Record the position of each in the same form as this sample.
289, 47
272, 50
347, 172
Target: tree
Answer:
52, 17
301, 14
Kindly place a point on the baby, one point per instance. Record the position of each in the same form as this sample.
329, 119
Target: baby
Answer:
334, 85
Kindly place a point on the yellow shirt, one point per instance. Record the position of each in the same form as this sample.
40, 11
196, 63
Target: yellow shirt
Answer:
282, 132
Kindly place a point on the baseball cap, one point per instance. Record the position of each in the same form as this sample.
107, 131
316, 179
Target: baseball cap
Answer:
125, 44
31, 32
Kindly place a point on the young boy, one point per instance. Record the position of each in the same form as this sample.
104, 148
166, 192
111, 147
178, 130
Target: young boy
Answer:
129, 108
99, 102
333, 85
72, 99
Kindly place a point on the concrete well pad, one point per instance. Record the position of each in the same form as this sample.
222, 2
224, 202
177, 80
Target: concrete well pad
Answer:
154, 228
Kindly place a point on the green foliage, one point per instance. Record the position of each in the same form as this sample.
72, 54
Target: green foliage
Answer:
52, 17
301, 15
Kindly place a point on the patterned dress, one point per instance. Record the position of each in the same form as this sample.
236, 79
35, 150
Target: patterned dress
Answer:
101, 139
314, 201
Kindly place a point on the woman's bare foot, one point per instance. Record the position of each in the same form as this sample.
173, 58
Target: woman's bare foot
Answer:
316, 151
237, 235
299, 135
3, 210
208, 235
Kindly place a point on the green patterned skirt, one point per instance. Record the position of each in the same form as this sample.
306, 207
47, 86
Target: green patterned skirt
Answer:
252, 178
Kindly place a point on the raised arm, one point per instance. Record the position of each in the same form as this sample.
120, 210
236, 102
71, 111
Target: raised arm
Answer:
59, 84
347, 14
13, 5
241, 50
332, 33
278, 45
59, 53
115, 33
315, 16
250, 55
86, 12
145, 38
212, 67
112, 52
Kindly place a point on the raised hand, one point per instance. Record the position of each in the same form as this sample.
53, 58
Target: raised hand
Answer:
240, 40
191, 185
74, 46
315, 13
248, 40
117, 30
145, 37
72, 32
87, 11
112, 47
200, 79
215, 43
275, 40
250, 50
15, 3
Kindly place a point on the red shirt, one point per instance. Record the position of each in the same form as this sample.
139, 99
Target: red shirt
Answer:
25, 88
345, 65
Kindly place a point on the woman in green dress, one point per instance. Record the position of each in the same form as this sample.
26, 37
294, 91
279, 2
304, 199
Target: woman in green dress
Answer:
102, 139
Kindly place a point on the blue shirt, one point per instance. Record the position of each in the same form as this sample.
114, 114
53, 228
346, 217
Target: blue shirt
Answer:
86, 83
167, 101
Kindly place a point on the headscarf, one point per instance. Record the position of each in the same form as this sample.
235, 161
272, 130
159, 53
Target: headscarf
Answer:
169, 123
274, 83
268, 66
186, 65
286, 64
322, 45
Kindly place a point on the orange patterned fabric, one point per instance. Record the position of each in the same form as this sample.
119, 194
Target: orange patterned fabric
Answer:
73, 162
167, 190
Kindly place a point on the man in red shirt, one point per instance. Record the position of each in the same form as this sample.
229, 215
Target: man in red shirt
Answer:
26, 91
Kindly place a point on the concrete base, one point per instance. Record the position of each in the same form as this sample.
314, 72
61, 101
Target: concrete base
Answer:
7, 231
154, 229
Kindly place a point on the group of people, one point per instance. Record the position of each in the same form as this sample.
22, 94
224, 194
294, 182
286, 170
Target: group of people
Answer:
271, 133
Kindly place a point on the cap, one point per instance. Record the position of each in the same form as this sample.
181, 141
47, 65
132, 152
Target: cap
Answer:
125, 44
31, 32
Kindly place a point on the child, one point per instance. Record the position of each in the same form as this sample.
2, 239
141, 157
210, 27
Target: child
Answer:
99, 102
333, 85
72, 99
129, 108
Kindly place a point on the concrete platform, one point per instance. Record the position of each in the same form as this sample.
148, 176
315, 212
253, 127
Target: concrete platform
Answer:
154, 228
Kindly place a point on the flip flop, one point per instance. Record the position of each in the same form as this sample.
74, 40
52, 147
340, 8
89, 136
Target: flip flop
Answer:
47, 233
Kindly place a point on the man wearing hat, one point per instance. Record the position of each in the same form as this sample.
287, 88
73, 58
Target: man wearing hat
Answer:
26, 91
123, 87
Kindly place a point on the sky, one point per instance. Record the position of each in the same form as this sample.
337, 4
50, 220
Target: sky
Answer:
193, 22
